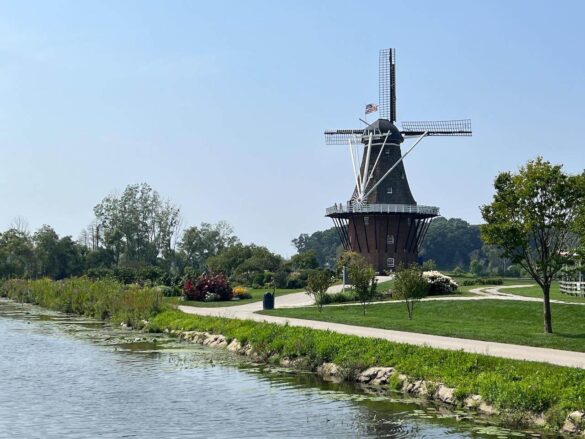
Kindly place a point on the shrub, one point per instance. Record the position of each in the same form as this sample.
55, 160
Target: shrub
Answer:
208, 287
458, 271
491, 281
439, 283
343, 297
241, 293
484, 281
168, 291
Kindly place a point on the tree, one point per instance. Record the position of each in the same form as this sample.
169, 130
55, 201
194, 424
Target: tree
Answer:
530, 220
410, 285
17, 254
318, 283
243, 263
305, 261
137, 226
449, 242
325, 244
57, 258
198, 244
361, 276
429, 265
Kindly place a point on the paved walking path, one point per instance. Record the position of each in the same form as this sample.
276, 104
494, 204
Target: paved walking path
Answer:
518, 352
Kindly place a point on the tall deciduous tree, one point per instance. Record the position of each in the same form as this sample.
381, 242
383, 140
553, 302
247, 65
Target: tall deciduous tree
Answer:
198, 244
57, 258
449, 242
530, 219
325, 244
17, 255
137, 226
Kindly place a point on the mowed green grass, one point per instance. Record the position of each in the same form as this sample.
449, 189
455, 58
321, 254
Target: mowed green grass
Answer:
257, 294
536, 291
492, 320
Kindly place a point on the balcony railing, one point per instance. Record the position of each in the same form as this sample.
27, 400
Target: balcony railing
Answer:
382, 208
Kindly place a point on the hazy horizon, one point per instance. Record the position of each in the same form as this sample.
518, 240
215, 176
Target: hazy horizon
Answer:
221, 107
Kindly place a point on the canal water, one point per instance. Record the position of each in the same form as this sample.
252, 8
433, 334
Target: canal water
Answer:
69, 377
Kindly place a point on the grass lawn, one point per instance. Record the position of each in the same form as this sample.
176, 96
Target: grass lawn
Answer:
493, 320
257, 294
535, 291
382, 287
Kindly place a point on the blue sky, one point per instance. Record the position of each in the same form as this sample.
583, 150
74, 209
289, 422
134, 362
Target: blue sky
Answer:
221, 106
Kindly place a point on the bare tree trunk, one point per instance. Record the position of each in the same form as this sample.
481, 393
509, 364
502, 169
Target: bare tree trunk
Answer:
409, 308
547, 314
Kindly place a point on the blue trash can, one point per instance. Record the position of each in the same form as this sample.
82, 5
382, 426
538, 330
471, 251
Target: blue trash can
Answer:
268, 301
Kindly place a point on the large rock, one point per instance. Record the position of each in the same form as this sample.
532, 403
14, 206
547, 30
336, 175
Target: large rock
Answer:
330, 372
573, 423
445, 394
418, 388
375, 375
234, 346
472, 402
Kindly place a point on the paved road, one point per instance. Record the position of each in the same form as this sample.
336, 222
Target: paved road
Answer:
518, 352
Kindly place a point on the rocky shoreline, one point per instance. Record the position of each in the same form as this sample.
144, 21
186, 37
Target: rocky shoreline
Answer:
383, 376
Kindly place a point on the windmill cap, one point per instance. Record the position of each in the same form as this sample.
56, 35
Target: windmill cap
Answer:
380, 128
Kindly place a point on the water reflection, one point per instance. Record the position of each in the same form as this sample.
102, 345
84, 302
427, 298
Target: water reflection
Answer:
69, 377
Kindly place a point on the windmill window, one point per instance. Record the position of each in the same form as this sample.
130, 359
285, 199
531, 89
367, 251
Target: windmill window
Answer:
390, 262
366, 220
402, 175
387, 150
389, 190
390, 239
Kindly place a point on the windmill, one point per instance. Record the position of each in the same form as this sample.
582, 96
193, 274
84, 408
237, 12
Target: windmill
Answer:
382, 221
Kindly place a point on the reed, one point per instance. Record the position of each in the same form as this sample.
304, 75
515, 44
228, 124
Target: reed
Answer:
102, 299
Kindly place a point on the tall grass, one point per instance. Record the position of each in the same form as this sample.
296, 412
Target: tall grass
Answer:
102, 299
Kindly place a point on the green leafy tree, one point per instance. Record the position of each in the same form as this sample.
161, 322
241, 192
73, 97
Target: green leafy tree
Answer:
137, 226
305, 261
57, 258
429, 265
410, 286
243, 263
198, 244
318, 283
530, 220
361, 276
17, 254
449, 242
325, 244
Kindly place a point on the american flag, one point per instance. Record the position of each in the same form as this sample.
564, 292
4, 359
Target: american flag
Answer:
370, 108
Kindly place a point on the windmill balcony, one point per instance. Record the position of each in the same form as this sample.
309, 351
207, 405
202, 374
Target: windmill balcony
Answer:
413, 209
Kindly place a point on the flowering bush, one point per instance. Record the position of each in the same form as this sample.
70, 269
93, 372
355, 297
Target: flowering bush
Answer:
208, 288
241, 293
440, 283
